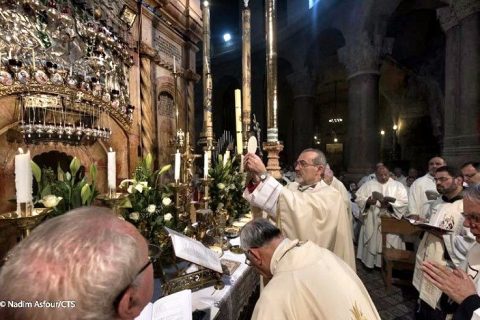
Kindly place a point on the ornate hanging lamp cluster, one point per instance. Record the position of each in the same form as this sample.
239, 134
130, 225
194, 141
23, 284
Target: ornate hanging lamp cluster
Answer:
67, 62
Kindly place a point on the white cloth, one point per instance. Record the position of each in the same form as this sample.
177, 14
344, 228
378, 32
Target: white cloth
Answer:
366, 178
416, 197
370, 238
316, 213
311, 283
338, 185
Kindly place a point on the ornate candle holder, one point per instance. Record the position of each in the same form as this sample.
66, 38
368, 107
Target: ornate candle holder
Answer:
25, 223
206, 196
181, 189
113, 200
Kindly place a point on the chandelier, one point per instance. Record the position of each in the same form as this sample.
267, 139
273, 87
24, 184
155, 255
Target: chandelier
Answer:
67, 62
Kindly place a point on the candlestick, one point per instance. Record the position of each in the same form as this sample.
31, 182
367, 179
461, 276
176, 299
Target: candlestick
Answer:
112, 170
177, 166
71, 70
10, 53
33, 58
238, 120
23, 177
205, 165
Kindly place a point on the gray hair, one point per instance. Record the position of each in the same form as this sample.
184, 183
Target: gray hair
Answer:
320, 159
87, 255
258, 233
472, 193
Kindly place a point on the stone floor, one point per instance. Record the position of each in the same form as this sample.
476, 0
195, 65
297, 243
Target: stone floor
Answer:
398, 303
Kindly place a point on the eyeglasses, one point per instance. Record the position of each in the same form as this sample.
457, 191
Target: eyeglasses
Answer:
442, 179
473, 217
303, 164
153, 254
248, 262
471, 175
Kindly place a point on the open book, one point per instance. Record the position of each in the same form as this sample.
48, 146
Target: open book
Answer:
380, 197
177, 306
432, 194
427, 226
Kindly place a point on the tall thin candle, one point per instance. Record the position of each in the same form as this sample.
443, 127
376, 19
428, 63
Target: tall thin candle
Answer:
238, 120
177, 166
112, 170
23, 177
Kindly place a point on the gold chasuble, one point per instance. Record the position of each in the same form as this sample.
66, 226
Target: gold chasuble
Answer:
311, 283
316, 213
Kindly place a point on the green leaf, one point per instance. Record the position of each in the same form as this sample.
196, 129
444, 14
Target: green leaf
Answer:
74, 166
46, 191
93, 172
37, 172
164, 169
85, 194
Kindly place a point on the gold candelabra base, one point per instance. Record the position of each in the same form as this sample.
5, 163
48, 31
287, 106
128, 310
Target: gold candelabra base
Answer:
25, 223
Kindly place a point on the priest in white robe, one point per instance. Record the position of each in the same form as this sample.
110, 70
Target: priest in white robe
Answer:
445, 248
462, 285
417, 197
370, 238
307, 209
306, 281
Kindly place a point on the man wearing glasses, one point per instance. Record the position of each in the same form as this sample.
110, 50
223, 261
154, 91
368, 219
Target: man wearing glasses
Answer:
445, 248
462, 285
306, 281
471, 173
307, 209
88, 263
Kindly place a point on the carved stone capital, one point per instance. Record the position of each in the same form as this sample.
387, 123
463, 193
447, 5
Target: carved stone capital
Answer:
457, 11
191, 75
362, 55
464, 8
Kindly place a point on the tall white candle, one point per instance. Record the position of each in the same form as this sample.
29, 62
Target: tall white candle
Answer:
205, 165
177, 166
238, 120
112, 169
174, 65
23, 177
226, 156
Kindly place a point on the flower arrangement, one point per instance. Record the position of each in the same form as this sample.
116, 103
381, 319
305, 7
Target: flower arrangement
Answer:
149, 205
64, 191
227, 188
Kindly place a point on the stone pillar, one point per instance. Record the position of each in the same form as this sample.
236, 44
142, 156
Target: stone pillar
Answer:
303, 104
246, 73
148, 135
461, 23
361, 59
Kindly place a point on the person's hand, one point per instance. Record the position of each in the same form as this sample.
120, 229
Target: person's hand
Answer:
371, 201
454, 283
254, 164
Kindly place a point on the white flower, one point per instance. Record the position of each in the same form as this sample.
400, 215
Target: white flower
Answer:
166, 201
125, 182
167, 217
130, 189
151, 208
141, 186
134, 216
50, 201
220, 186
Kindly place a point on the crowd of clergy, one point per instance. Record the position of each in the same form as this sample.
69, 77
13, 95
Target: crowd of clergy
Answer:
301, 241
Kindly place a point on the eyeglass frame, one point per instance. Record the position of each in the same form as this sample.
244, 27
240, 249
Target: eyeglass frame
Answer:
151, 261
472, 217
248, 262
304, 164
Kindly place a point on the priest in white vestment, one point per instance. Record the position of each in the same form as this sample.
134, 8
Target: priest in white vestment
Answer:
417, 197
370, 238
462, 285
445, 248
307, 282
307, 209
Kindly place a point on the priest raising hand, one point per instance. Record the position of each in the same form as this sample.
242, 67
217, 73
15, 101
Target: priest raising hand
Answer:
307, 209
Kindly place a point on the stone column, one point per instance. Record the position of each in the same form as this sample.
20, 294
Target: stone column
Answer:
148, 135
303, 104
461, 23
246, 73
361, 59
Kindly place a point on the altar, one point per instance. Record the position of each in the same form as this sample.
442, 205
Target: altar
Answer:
229, 302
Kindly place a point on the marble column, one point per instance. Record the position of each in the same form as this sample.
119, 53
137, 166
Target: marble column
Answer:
303, 113
461, 23
361, 59
148, 134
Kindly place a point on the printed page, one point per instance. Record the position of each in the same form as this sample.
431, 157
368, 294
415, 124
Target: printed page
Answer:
177, 306
194, 251
146, 313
